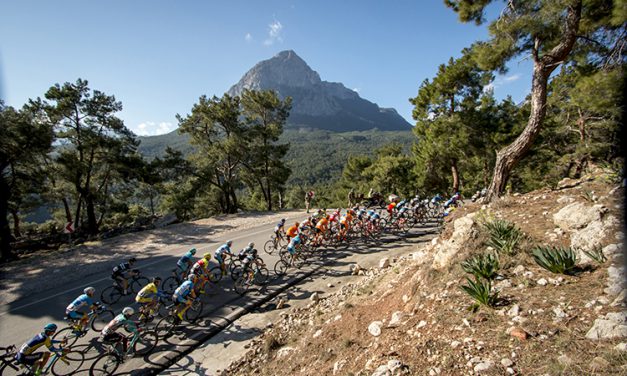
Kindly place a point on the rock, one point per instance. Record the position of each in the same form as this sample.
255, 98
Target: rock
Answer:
384, 263
592, 235
330, 285
559, 314
434, 371
621, 346
599, 363
284, 351
568, 183
338, 366
542, 282
381, 371
375, 328
519, 333
396, 319
318, 333
406, 299
564, 360
355, 269
434, 241
615, 280
315, 297
565, 200
621, 299
506, 362
280, 304
510, 370
614, 325
421, 324
518, 270
394, 365
504, 284
465, 228
528, 274
578, 215
514, 311
455, 344
483, 366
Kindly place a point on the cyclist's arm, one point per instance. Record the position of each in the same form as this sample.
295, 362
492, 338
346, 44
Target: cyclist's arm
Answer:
131, 326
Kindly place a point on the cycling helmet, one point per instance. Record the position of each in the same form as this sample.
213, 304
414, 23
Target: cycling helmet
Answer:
283, 220
50, 327
296, 223
156, 279
192, 251
207, 256
128, 311
251, 245
132, 259
89, 290
254, 252
192, 278
229, 242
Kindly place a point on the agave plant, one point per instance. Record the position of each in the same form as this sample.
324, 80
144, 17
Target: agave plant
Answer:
560, 260
596, 254
504, 235
479, 290
484, 266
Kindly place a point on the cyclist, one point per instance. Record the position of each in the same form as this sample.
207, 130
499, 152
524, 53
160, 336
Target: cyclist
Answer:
27, 355
122, 272
225, 249
73, 311
436, 199
148, 297
293, 247
453, 200
252, 258
292, 231
182, 295
109, 334
279, 230
321, 227
246, 251
185, 262
201, 270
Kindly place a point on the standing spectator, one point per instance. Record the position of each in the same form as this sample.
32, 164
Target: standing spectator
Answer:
351, 198
308, 199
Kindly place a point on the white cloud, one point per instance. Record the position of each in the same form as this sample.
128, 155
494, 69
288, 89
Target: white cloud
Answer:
150, 128
274, 33
356, 89
248, 37
511, 78
500, 81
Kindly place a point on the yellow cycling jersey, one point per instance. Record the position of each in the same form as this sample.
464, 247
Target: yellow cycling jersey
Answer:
149, 291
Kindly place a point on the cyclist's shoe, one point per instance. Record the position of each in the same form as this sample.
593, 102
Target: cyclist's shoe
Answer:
177, 320
38, 372
179, 316
201, 291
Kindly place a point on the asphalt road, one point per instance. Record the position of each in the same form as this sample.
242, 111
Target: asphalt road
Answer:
25, 317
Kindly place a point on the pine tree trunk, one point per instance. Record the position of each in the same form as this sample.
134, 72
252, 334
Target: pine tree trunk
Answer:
6, 252
455, 173
16, 224
92, 222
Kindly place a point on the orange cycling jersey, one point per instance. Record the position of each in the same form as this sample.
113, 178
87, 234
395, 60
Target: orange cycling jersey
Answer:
322, 224
292, 231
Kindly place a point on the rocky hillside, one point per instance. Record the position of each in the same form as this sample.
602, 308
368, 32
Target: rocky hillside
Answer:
316, 103
410, 316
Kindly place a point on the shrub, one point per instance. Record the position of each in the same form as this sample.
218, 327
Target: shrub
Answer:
479, 290
555, 259
504, 235
484, 266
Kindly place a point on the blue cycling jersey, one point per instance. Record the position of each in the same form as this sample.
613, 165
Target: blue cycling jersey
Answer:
80, 302
184, 289
184, 260
222, 250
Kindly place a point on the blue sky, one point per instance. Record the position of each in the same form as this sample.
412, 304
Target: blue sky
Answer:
157, 57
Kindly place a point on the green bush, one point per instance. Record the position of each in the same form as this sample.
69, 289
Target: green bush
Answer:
596, 254
479, 290
504, 236
560, 260
485, 266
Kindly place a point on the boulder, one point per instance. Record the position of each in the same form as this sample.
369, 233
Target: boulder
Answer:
615, 280
375, 328
384, 263
613, 325
592, 235
315, 297
396, 319
483, 366
465, 228
577, 216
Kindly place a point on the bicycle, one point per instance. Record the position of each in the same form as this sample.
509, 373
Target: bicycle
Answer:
98, 319
160, 308
275, 243
141, 343
257, 275
286, 261
167, 325
65, 363
112, 294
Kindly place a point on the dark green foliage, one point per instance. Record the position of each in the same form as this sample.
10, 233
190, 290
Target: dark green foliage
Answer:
504, 236
596, 254
482, 266
556, 259
480, 290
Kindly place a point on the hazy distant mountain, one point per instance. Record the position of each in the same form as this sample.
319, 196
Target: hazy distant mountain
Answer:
316, 103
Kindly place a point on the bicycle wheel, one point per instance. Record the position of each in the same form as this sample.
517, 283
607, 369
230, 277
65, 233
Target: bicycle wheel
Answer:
280, 268
139, 283
194, 311
105, 364
262, 276
268, 246
166, 327
215, 274
101, 320
236, 273
111, 294
68, 364
241, 285
67, 334
146, 342
169, 285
